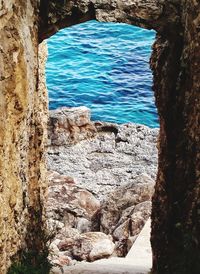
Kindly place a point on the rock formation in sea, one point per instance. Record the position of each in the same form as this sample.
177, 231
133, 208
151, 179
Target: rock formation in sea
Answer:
102, 178
175, 64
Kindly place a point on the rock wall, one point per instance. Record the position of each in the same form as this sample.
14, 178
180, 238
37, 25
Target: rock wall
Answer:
176, 204
22, 131
156, 14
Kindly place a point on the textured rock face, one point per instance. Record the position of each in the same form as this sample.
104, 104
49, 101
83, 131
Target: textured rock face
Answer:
114, 157
175, 63
69, 125
176, 204
108, 166
93, 245
121, 204
145, 13
22, 128
69, 203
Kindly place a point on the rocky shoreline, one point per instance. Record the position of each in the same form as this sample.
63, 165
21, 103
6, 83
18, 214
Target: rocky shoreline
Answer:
101, 182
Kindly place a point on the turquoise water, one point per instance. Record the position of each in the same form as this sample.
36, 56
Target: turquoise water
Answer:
104, 66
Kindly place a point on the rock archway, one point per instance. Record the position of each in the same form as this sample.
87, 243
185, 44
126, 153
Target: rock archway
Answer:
175, 228
175, 63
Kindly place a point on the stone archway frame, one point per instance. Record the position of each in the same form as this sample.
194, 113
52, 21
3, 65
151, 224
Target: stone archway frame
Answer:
23, 107
175, 62
150, 14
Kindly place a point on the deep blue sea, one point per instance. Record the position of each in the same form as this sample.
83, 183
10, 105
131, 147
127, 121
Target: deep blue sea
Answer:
104, 66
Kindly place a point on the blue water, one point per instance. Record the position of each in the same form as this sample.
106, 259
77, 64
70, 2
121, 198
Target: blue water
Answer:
104, 66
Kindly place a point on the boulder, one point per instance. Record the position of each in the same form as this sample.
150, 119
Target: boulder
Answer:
70, 204
69, 125
93, 245
122, 203
125, 212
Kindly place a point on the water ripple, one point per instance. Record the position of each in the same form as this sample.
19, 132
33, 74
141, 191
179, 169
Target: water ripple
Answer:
104, 66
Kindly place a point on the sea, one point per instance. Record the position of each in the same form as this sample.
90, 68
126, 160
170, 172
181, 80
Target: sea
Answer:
104, 66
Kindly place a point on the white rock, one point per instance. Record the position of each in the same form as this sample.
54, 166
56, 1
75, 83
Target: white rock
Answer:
102, 249
93, 245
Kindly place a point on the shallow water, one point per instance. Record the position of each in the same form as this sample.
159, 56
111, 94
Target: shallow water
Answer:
104, 66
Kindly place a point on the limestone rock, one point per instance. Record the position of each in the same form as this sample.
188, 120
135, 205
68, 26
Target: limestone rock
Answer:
84, 225
99, 160
70, 125
67, 232
125, 212
122, 231
122, 203
68, 203
23, 118
65, 244
114, 157
102, 249
139, 216
147, 14
62, 260
93, 245
23, 106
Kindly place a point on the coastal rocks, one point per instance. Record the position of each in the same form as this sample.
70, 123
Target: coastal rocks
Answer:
92, 246
98, 232
70, 204
101, 187
69, 125
124, 201
70, 210
125, 212
113, 157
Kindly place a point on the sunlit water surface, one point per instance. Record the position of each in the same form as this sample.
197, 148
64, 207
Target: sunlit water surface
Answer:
104, 66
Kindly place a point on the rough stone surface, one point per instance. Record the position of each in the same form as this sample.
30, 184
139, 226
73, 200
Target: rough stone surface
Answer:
138, 260
145, 13
114, 157
73, 210
176, 204
125, 211
69, 203
69, 125
122, 202
22, 131
93, 245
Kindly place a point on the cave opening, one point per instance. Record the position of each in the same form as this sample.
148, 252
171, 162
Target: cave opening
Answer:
95, 163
